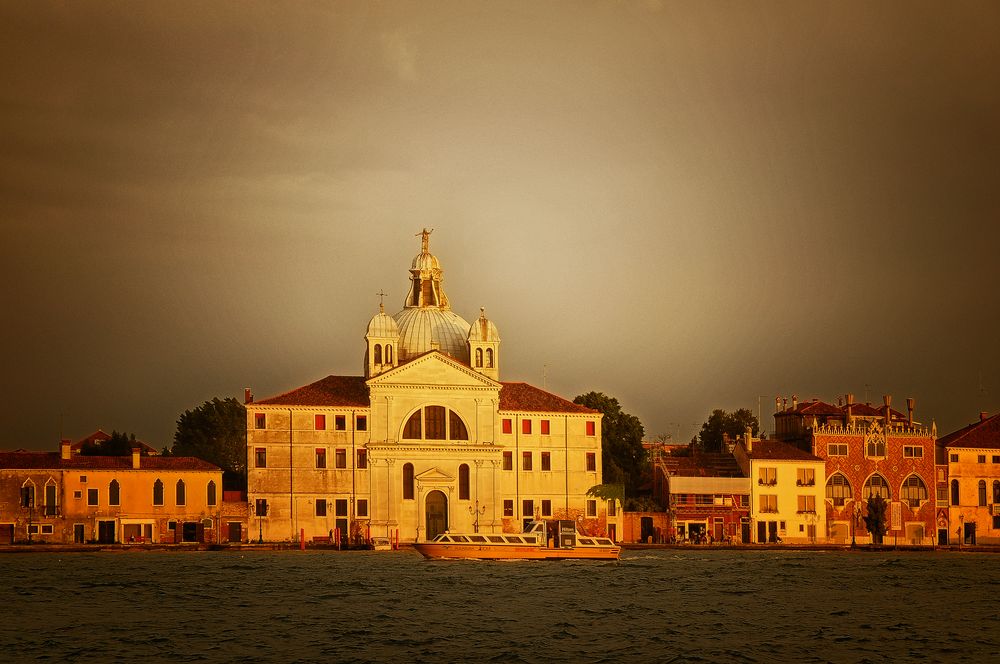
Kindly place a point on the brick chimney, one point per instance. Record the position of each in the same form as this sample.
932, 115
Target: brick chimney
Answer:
748, 437
848, 417
983, 415
887, 401
136, 455
909, 410
64, 449
247, 395
795, 402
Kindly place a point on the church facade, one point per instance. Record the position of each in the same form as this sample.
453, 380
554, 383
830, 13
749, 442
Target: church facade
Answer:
428, 439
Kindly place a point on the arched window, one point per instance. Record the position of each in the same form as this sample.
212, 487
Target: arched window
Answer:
412, 429
954, 492
489, 358
157, 492
877, 486
982, 493
456, 426
463, 482
114, 493
434, 423
429, 423
408, 481
479, 357
996, 491
28, 494
212, 498
914, 491
378, 354
181, 497
388, 354
838, 490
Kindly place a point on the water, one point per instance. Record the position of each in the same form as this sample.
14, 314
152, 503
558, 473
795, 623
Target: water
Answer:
681, 606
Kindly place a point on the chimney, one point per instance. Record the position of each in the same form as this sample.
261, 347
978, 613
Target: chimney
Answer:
64, 449
795, 402
983, 415
247, 395
848, 417
887, 401
909, 410
748, 438
777, 404
136, 453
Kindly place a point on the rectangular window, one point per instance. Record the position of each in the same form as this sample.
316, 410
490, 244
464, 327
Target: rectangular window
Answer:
953, 458
546, 461
527, 508
260, 421
525, 460
996, 459
361, 423
591, 428
913, 451
508, 460
836, 449
27, 496
362, 459
544, 427
591, 462
340, 422
321, 423
591, 508
320, 507
340, 506
996, 522
546, 508
260, 457
806, 477
33, 529
362, 507
508, 426
768, 503
78, 494
508, 508
942, 493
981, 458
321, 457
807, 504
47, 529
340, 457
526, 427
83, 479
92, 497
767, 476
612, 507
875, 448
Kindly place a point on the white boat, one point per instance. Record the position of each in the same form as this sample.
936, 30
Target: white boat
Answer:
535, 543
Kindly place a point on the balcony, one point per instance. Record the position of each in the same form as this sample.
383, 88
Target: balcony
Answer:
763, 482
805, 482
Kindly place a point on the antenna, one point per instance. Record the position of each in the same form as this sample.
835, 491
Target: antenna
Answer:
545, 377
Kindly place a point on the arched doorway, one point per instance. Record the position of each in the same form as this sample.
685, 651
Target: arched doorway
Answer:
435, 514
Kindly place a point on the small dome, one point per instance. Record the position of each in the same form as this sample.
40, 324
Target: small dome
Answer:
483, 329
425, 261
420, 328
382, 325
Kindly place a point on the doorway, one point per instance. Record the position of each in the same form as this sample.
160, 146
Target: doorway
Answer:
105, 532
762, 532
970, 534
78, 533
942, 537
6, 533
745, 530
436, 514
235, 531
190, 532
646, 529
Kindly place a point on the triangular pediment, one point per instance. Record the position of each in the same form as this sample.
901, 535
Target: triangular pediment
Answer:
435, 474
433, 369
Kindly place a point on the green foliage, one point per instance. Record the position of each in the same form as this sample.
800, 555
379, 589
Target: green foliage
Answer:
120, 444
216, 431
623, 457
876, 521
720, 423
608, 492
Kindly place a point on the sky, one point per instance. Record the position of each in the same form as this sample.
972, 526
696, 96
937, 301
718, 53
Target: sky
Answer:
684, 205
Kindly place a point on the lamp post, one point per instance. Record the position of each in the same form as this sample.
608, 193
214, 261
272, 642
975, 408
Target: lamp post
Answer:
854, 524
476, 511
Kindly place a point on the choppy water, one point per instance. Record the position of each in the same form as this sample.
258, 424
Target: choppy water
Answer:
682, 606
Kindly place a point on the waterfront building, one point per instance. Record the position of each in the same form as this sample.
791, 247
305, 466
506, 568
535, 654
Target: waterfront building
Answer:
973, 482
61, 497
786, 491
427, 439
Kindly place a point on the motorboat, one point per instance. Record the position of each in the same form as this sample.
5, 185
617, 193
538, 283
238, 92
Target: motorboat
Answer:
536, 542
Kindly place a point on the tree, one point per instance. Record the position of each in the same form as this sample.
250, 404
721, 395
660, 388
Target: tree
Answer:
216, 431
875, 521
120, 444
720, 424
623, 457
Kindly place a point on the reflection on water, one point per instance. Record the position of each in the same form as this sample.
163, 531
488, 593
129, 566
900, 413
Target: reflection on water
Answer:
365, 606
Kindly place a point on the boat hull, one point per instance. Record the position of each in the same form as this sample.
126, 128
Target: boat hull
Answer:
440, 550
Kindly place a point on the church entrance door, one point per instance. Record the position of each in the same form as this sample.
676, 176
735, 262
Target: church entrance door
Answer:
436, 514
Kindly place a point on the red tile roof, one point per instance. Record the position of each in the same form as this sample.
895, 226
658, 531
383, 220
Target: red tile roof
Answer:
814, 408
984, 434
335, 391
528, 398
779, 451
53, 460
101, 436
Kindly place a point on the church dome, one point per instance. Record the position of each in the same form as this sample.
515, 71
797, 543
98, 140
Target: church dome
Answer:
483, 329
382, 325
429, 328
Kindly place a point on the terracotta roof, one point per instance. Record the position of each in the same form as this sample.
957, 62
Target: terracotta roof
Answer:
101, 436
524, 397
984, 434
53, 460
701, 464
337, 391
814, 408
779, 451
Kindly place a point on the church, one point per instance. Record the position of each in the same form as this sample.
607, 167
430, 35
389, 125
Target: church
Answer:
428, 439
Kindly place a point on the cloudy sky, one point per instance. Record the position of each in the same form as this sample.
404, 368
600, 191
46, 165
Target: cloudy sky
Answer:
685, 205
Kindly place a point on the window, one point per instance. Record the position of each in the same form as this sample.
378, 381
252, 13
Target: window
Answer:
508, 460
388, 354
260, 457
591, 508
456, 427
320, 507
953, 458
92, 497
362, 507
875, 447
259, 421
463, 482
489, 358
996, 458
340, 507
47, 529
942, 493
181, 494
362, 459
508, 508
546, 508
838, 490
33, 529
479, 357
982, 493
767, 476
340, 457
28, 495
213, 496
361, 423
996, 491
877, 486
591, 428
412, 430
836, 449
321, 457
260, 507
378, 354
157, 492
544, 427
996, 522
526, 427
114, 493
591, 462
914, 491
78, 494
954, 492
508, 426
805, 477
207, 524
321, 423
807, 504
981, 458
434, 423
340, 422
83, 479
546, 461
612, 507
768, 503
913, 451
408, 481
525, 460
527, 508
